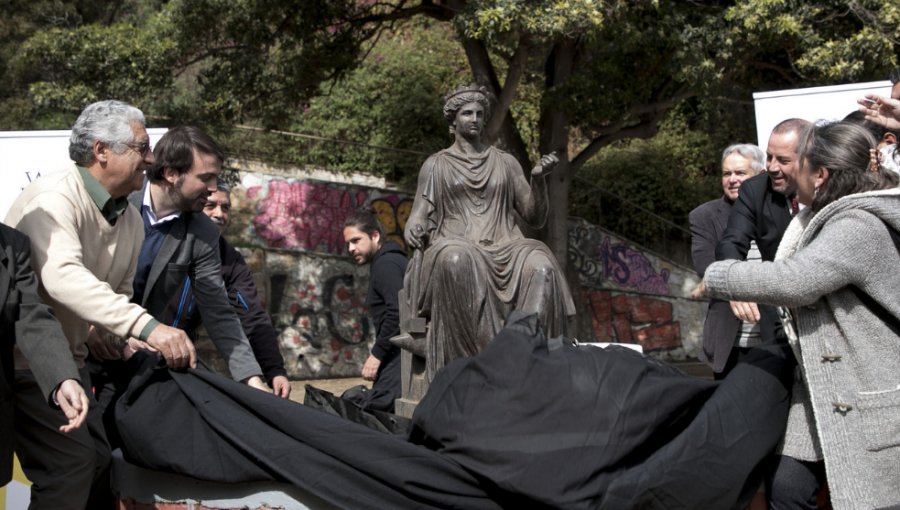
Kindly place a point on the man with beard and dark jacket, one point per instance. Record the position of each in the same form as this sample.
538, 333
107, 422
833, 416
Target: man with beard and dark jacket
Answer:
242, 295
366, 244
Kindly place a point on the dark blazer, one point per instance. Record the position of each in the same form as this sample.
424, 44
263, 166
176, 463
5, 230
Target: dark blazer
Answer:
708, 222
245, 301
189, 258
761, 214
25, 321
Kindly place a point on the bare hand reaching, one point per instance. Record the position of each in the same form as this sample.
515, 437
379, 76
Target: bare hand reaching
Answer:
256, 382
881, 110
370, 368
174, 345
281, 386
745, 311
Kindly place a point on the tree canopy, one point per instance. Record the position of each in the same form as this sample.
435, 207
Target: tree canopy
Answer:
575, 76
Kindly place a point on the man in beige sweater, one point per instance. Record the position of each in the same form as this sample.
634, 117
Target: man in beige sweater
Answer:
85, 241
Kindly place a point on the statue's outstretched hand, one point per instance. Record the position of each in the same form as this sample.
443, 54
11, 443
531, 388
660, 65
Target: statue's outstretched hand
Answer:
415, 236
545, 166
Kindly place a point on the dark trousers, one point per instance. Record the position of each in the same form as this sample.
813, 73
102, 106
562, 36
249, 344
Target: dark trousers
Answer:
794, 484
67, 471
109, 380
387, 385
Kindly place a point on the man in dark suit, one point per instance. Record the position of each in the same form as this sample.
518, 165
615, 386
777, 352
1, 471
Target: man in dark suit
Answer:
180, 250
181, 244
708, 221
762, 212
50, 389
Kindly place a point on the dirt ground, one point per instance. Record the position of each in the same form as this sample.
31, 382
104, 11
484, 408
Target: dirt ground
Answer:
335, 386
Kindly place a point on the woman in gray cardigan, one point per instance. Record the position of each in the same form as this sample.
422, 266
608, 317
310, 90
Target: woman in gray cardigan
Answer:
838, 273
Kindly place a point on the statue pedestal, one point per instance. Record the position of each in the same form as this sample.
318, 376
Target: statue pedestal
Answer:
413, 383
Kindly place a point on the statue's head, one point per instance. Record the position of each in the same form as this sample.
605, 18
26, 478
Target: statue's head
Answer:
464, 95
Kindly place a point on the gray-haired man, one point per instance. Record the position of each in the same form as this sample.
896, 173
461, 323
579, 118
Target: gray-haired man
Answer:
722, 330
85, 240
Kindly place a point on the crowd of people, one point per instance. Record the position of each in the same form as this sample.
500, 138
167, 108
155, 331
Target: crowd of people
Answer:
124, 253
825, 219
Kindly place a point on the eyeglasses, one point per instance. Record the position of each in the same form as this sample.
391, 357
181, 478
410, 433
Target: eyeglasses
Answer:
142, 148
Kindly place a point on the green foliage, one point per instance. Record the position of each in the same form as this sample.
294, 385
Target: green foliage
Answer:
393, 99
93, 62
489, 19
23, 19
292, 65
668, 174
786, 43
262, 60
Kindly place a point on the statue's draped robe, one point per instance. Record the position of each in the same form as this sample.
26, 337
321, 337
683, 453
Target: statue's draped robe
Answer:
478, 266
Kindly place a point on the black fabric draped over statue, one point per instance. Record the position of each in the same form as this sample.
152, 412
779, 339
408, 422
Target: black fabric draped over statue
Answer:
527, 422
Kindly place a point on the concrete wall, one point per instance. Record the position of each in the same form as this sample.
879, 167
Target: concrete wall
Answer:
288, 225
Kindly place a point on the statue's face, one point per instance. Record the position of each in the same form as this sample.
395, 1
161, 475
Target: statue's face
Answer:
469, 121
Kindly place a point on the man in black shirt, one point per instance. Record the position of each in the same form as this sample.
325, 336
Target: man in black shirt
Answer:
366, 244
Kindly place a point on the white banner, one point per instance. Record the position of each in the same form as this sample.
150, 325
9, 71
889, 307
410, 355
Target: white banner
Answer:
27, 155
816, 103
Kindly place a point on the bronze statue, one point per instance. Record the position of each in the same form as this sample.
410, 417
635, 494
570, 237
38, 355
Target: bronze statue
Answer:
473, 265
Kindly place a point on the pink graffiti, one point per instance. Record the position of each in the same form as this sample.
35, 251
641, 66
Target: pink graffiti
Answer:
306, 215
630, 268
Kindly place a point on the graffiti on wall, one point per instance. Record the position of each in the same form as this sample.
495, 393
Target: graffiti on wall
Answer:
632, 319
308, 215
318, 306
620, 288
602, 260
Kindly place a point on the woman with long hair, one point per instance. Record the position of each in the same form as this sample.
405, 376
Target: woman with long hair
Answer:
837, 272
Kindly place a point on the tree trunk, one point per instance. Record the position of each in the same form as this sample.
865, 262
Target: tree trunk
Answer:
554, 132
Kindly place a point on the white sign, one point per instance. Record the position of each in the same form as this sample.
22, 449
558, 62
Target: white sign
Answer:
27, 155
816, 103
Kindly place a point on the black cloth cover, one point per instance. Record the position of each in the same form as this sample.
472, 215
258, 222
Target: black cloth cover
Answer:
203, 425
526, 423
583, 427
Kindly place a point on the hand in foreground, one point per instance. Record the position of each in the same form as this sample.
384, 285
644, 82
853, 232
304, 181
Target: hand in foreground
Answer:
548, 161
174, 345
881, 110
73, 402
370, 368
256, 382
281, 386
133, 345
745, 311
